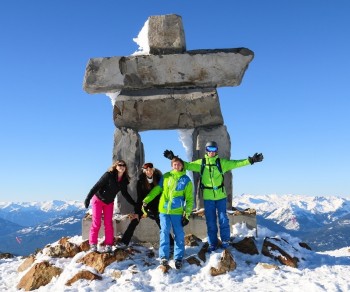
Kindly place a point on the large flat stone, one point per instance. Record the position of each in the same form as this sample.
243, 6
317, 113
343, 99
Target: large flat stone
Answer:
148, 231
201, 68
154, 109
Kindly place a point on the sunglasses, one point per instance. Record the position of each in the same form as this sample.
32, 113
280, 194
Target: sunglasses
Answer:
120, 164
211, 149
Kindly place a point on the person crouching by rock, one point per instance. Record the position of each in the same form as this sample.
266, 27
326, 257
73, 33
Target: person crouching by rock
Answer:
102, 196
175, 207
148, 181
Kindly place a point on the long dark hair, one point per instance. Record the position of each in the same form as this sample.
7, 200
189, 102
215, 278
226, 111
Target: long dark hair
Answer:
156, 177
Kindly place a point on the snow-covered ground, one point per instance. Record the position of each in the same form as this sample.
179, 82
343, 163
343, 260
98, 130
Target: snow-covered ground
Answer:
326, 271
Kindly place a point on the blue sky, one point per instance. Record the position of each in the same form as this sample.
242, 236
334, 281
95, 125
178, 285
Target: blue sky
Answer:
292, 105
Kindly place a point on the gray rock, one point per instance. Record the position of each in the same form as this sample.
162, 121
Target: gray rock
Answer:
154, 109
202, 68
166, 35
128, 147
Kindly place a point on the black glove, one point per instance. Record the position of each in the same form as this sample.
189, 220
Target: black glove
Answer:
169, 154
152, 216
184, 220
257, 157
87, 203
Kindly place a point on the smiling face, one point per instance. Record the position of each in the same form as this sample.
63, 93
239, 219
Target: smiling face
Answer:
121, 167
149, 171
211, 153
211, 150
177, 165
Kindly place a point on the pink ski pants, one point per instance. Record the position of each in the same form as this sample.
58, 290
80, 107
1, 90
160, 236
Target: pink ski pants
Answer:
99, 207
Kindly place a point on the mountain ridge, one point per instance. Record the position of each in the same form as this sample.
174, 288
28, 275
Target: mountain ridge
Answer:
319, 220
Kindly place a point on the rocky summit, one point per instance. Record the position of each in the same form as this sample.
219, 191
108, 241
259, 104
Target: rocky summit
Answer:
71, 256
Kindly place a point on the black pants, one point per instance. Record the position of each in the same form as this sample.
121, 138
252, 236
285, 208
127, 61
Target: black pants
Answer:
129, 232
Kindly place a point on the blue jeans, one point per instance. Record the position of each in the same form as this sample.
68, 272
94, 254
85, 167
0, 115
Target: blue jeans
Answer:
211, 209
166, 222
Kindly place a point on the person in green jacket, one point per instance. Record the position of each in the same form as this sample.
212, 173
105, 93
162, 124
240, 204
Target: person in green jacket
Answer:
212, 170
175, 207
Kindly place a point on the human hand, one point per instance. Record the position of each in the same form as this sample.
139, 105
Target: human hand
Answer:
134, 216
169, 154
257, 157
184, 220
87, 203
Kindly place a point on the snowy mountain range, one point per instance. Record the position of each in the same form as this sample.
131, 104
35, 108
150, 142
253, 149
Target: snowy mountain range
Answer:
29, 226
321, 222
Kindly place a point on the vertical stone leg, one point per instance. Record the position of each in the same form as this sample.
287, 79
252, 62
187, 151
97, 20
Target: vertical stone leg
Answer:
201, 136
128, 147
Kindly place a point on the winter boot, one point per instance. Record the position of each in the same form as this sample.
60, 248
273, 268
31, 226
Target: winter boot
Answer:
108, 249
225, 244
178, 264
164, 262
211, 248
93, 247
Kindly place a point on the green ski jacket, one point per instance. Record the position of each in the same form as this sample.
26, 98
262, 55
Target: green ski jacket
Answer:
212, 178
176, 197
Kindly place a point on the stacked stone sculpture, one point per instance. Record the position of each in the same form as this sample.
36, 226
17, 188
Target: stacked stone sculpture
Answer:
168, 88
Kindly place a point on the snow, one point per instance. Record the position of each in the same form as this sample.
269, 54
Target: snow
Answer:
113, 97
326, 271
46, 206
318, 271
142, 41
284, 207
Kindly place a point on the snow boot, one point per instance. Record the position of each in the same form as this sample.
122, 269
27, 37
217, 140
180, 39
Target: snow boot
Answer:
108, 249
211, 248
225, 244
178, 264
93, 247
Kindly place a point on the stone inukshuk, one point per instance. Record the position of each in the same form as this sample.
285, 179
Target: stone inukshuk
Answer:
169, 88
